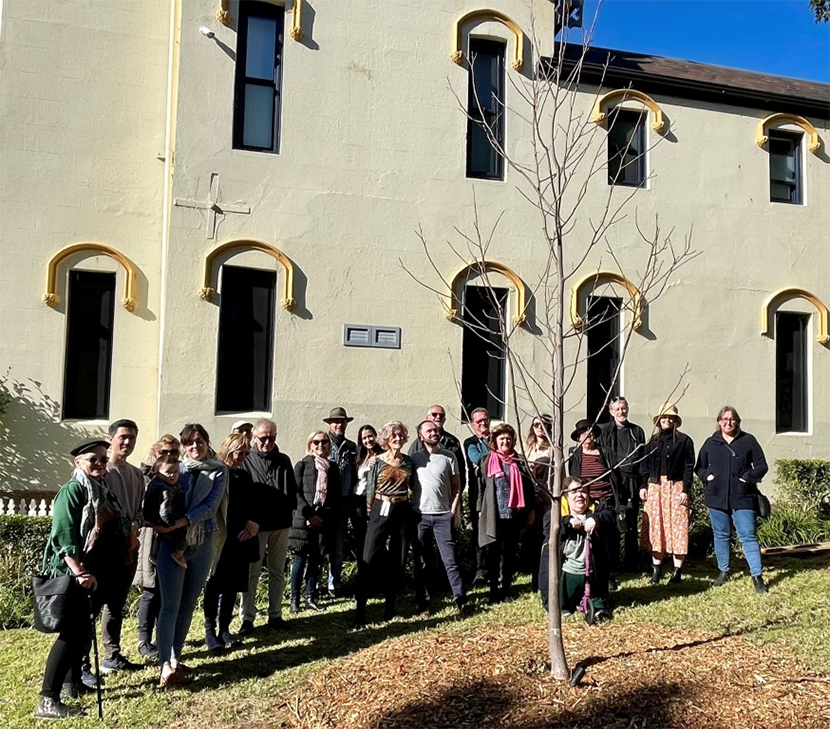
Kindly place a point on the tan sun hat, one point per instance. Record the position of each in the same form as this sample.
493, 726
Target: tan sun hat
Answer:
668, 408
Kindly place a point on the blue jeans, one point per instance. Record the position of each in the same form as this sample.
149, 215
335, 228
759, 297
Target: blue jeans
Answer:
744, 520
310, 565
440, 526
180, 589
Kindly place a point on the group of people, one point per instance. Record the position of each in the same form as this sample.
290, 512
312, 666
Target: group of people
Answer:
192, 520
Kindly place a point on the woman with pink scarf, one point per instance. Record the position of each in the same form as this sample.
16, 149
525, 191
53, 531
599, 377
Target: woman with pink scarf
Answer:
315, 518
505, 505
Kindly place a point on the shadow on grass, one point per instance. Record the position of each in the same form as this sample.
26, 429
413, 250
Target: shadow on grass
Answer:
488, 703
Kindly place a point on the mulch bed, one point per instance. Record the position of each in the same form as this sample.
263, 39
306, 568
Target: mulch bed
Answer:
638, 676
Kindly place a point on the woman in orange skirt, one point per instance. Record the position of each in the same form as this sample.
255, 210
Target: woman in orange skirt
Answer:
668, 466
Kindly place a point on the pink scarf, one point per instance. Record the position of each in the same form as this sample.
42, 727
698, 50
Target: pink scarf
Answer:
321, 487
516, 495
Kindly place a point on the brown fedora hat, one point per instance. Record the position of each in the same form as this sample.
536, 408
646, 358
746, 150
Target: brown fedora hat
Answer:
337, 414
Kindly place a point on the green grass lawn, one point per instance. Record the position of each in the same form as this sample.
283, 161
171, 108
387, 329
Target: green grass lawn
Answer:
246, 685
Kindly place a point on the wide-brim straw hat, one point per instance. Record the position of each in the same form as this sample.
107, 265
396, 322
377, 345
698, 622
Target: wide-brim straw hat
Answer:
337, 414
668, 408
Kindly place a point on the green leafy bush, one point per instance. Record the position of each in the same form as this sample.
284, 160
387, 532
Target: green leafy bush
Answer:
804, 484
792, 525
22, 539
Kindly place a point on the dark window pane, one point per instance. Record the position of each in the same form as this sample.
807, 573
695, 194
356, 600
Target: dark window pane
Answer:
483, 359
626, 148
246, 340
257, 97
791, 372
259, 116
603, 344
485, 109
784, 167
260, 56
89, 312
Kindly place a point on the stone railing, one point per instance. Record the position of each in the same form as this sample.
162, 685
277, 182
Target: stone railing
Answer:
10, 507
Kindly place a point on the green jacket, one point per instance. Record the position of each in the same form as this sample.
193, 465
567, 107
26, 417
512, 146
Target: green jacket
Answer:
65, 536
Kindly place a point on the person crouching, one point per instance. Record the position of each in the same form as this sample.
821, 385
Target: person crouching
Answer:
583, 530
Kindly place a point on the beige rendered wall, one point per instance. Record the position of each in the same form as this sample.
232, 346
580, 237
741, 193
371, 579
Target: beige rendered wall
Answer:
83, 104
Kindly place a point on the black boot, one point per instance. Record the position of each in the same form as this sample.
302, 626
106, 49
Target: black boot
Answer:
760, 587
295, 604
359, 620
656, 575
211, 639
720, 580
675, 576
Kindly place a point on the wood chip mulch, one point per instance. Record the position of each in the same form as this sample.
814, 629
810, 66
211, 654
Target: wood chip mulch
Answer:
638, 676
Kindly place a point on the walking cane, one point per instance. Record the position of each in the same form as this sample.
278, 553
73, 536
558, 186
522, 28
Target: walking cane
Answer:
95, 653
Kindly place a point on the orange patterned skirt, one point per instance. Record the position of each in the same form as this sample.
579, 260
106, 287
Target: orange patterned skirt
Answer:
665, 527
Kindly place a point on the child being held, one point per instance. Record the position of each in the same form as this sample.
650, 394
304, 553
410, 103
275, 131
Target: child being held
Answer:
164, 506
586, 522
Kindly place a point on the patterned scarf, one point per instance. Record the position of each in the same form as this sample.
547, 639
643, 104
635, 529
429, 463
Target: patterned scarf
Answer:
199, 490
495, 468
99, 501
322, 465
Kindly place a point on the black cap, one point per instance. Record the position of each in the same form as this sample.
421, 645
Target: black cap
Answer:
88, 445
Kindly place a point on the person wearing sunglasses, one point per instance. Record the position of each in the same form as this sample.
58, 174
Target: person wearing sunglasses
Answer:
87, 542
314, 527
477, 448
448, 442
276, 492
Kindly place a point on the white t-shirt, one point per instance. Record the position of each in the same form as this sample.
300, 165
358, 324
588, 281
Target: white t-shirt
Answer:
433, 492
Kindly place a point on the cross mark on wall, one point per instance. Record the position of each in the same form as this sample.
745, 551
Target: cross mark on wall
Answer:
213, 206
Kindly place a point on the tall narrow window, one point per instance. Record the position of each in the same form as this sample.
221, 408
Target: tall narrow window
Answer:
603, 345
784, 167
90, 311
626, 148
482, 358
258, 77
791, 392
485, 109
246, 340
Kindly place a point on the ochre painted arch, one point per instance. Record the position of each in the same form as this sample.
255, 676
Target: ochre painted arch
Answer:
223, 15
51, 297
602, 277
762, 133
453, 308
599, 114
476, 16
208, 289
794, 292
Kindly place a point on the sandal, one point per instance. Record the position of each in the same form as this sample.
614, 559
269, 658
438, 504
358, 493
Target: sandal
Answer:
169, 676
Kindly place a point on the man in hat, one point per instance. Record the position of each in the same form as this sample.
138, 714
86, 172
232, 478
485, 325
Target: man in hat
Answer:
344, 454
243, 427
273, 477
624, 443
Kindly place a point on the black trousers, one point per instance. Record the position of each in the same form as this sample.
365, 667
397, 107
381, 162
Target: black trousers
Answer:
218, 605
501, 556
64, 661
148, 613
385, 550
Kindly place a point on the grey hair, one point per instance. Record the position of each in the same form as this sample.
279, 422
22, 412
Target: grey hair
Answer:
387, 430
266, 421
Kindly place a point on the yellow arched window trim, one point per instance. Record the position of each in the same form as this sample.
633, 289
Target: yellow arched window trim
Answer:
762, 130
223, 15
592, 280
599, 114
823, 336
51, 298
208, 290
453, 307
475, 16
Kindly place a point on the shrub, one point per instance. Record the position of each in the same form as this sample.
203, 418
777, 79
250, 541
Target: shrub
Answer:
792, 525
22, 539
803, 484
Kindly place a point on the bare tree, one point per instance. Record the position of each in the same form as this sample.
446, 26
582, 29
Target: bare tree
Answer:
568, 167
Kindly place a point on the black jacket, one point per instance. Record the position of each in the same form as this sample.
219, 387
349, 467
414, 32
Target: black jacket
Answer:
301, 537
344, 454
630, 478
680, 458
275, 488
737, 468
449, 443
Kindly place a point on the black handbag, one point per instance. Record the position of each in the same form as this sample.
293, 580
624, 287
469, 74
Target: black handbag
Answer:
55, 602
764, 508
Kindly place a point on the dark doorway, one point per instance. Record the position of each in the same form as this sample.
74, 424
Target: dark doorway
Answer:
246, 340
603, 340
791, 375
90, 310
482, 360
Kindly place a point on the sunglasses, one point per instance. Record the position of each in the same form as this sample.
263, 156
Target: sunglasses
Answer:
96, 460
169, 452
319, 442
266, 438
438, 415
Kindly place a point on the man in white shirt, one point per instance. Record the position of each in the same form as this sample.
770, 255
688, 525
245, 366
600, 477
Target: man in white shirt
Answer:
436, 500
